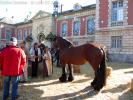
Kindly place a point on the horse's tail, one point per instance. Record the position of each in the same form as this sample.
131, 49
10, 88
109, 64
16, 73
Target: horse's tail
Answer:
101, 73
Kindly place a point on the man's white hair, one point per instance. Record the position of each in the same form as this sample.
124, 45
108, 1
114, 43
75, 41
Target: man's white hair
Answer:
13, 41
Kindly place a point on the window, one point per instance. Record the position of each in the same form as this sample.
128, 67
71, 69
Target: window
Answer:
19, 34
8, 34
116, 42
76, 28
120, 15
117, 16
90, 26
64, 29
75, 43
29, 32
25, 34
114, 15
120, 3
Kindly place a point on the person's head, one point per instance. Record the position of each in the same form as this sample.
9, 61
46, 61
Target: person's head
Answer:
13, 41
22, 44
41, 46
46, 49
36, 45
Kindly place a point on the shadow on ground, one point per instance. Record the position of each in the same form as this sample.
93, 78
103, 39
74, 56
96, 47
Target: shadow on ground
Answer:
129, 72
117, 66
117, 89
87, 92
128, 94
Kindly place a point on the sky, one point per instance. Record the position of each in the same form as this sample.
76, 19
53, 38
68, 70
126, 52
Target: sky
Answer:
18, 10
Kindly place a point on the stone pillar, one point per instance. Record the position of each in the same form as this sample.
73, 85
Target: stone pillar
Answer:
97, 15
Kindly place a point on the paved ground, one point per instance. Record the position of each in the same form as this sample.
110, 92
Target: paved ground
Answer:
117, 88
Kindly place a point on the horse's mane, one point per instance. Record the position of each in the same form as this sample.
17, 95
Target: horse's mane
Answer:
65, 43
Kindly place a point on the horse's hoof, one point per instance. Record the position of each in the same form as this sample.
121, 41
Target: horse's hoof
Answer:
93, 83
96, 88
70, 79
63, 79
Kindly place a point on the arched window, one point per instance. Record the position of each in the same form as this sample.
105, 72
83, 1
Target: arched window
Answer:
76, 28
25, 34
64, 29
19, 34
90, 26
8, 34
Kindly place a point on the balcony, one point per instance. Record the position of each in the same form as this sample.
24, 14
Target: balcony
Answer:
116, 23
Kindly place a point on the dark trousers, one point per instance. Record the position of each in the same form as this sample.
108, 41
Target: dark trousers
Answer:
45, 70
15, 81
34, 68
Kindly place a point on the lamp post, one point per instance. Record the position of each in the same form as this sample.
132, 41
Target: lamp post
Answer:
55, 15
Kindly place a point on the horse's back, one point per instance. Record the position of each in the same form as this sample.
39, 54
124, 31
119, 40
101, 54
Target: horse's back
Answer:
79, 54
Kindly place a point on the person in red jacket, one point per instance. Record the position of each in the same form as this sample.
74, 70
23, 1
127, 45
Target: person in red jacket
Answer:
13, 61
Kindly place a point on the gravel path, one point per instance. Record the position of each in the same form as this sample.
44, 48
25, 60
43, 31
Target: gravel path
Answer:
117, 88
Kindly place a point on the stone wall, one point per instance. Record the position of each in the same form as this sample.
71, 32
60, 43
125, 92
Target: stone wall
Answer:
117, 54
41, 25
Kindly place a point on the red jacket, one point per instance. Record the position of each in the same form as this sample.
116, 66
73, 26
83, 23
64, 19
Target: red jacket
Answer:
12, 61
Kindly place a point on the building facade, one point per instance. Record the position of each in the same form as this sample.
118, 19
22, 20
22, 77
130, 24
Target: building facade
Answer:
7, 29
114, 28
37, 28
108, 22
23, 30
42, 26
77, 25
19, 30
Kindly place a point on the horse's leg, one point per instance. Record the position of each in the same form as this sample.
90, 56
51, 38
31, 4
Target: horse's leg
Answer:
94, 82
95, 67
71, 77
100, 74
63, 77
57, 64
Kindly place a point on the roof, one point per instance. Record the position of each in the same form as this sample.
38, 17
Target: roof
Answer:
40, 12
22, 23
88, 7
1, 18
7, 20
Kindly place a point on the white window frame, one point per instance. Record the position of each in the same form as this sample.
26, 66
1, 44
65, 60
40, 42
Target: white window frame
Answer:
25, 31
77, 19
6, 32
19, 33
120, 14
88, 18
64, 22
116, 42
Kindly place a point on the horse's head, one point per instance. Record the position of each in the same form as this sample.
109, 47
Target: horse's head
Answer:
59, 42
56, 42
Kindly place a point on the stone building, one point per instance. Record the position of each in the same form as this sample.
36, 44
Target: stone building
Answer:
77, 25
42, 26
38, 28
23, 30
109, 22
114, 28
7, 29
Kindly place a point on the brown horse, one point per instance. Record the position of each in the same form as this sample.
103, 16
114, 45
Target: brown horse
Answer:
91, 53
